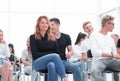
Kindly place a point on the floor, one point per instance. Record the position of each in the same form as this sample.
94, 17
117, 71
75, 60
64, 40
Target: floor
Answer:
70, 76
108, 77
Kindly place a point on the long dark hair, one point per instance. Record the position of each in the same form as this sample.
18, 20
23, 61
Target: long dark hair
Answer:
79, 37
10, 45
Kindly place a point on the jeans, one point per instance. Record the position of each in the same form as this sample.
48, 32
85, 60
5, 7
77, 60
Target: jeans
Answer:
28, 70
2, 61
100, 65
35, 76
53, 64
84, 69
74, 68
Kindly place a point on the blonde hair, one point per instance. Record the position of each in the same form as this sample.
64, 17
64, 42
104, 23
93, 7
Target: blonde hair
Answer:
106, 19
28, 47
37, 29
85, 23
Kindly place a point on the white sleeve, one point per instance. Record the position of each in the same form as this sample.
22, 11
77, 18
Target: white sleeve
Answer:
7, 53
114, 50
83, 46
96, 52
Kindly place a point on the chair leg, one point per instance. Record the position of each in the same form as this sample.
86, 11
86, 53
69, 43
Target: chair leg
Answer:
45, 77
116, 76
109, 76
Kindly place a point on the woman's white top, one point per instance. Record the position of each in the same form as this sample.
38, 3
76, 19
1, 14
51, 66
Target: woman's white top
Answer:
77, 52
4, 52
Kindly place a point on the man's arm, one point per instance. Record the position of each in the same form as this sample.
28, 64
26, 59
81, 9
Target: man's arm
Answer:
95, 45
70, 51
118, 50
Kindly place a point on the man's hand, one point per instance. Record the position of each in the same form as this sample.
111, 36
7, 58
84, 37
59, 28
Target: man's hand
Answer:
117, 56
68, 55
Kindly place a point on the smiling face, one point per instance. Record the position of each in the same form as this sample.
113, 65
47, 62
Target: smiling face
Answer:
54, 27
43, 24
88, 28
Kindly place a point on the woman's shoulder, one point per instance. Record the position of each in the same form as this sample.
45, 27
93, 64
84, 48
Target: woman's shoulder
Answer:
32, 36
64, 34
3, 45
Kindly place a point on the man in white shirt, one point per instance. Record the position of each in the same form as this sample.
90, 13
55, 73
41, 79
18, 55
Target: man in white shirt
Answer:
103, 50
85, 47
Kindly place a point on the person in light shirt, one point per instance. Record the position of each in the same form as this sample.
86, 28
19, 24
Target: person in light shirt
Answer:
85, 45
6, 69
104, 50
79, 56
77, 52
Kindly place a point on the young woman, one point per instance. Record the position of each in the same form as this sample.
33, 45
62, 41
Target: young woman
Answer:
44, 51
27, 61
79, 55
6, 70
13, 58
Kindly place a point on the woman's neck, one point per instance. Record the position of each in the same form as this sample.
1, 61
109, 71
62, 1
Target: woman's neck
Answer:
2, 41
43, 33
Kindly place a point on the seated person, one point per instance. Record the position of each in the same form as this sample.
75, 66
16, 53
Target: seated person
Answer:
13, 59
27, 61
45, 51
63, 41
77, 52
79, 55
103, 50
6, 70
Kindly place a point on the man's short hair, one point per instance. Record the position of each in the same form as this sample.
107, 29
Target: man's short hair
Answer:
56, 20
85, 23
106, 19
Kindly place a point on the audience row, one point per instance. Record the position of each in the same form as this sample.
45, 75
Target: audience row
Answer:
46, 51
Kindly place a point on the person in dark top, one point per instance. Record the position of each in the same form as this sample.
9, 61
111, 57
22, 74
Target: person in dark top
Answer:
118, 46
115, 37
44, 51
64, 41
13, 58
